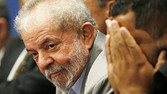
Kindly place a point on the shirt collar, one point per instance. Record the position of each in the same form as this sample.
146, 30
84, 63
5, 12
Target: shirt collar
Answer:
78, 84
2, 51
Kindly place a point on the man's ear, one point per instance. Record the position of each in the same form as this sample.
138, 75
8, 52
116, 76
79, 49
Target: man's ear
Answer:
88, 34
109, 6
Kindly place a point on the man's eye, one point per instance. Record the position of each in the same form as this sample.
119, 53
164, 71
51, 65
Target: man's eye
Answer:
34, 54
51, 45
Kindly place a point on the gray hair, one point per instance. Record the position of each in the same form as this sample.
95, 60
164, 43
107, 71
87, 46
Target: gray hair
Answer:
66, 14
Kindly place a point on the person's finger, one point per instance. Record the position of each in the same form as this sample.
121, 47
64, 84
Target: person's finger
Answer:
107, 48
108, 24
161, 60
117, 46
112, 27
132, 46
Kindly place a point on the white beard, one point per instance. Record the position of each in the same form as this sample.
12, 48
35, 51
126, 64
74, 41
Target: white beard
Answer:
77, 63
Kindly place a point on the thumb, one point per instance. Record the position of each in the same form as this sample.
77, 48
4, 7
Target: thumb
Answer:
161, 60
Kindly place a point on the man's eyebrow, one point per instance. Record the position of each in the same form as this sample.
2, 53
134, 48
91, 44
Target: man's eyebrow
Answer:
28, 50
45, 41
56, 40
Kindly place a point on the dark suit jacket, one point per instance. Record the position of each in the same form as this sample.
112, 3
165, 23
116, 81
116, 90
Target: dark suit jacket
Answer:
29, 81
160, 79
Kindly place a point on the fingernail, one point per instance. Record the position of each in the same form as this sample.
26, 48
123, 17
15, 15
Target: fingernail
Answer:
108, 21
113, 24
163, 52
108, 24
123, 30
107, 36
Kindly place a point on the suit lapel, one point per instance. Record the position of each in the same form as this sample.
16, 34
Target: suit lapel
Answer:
97, 48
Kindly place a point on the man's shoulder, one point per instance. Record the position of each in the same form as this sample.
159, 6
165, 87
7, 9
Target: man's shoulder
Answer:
97, 78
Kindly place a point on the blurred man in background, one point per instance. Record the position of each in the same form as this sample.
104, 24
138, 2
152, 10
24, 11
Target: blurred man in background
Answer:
100, 10
4, 28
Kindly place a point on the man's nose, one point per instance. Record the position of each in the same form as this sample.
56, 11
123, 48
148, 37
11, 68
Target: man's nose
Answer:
44, 61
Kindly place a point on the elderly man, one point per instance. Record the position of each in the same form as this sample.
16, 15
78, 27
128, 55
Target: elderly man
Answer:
100, 10
63, 40
132, 58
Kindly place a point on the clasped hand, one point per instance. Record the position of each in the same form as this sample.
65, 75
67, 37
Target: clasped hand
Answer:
128, 68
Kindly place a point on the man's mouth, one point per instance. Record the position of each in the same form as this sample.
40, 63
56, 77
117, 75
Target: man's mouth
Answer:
55, 74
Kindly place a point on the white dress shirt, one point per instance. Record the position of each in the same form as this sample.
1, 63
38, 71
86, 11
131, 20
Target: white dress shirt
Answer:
76, 88
2, 51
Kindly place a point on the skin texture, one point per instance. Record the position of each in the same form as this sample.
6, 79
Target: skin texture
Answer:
130, 56
60, 55
99, 14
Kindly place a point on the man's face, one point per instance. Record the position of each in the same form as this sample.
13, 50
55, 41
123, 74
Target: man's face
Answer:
99, 14
59, 55
148, 45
